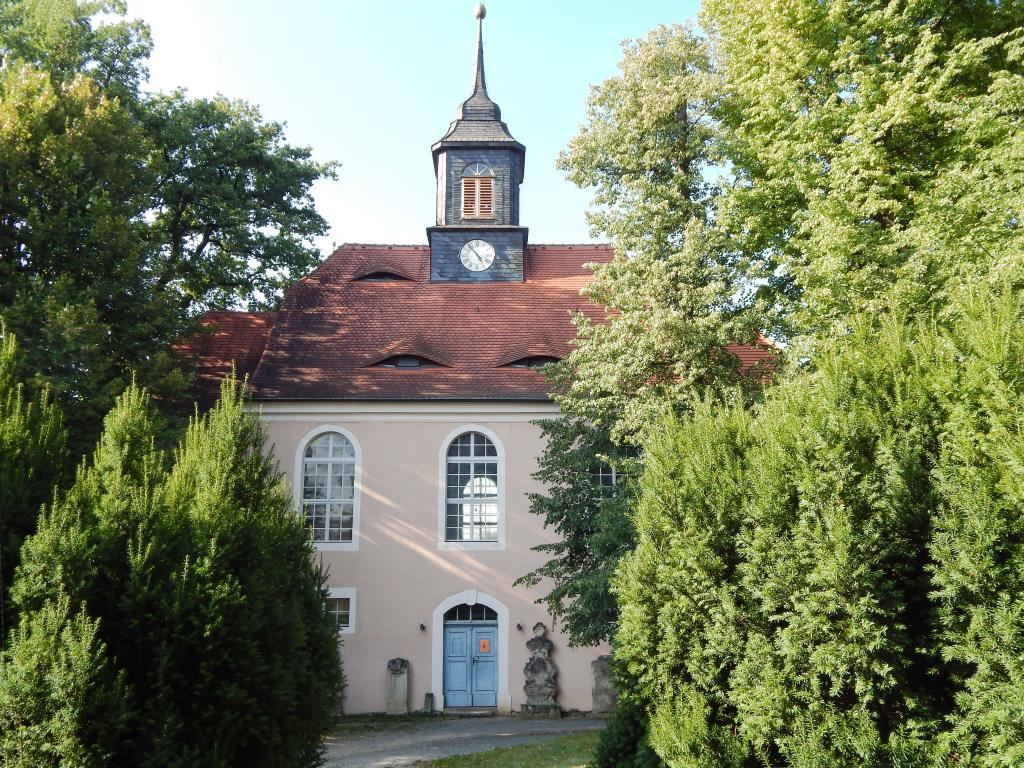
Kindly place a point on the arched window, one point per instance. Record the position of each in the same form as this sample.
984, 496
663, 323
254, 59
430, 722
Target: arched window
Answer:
471, 489
328, 487
477, 192
476, 612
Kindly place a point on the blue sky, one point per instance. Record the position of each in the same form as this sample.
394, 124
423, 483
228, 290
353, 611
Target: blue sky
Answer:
373, 85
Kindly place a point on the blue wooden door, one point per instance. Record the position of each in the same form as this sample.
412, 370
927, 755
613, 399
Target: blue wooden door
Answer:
470, 666
485, 667
458, 667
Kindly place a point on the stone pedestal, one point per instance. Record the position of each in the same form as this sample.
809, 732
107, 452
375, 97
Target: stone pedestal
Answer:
541, 687
397, 702
603, 692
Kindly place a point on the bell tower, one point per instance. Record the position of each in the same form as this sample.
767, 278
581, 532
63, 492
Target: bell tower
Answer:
479, 167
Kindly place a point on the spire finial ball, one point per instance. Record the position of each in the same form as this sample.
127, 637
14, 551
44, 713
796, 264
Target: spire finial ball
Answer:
480, 11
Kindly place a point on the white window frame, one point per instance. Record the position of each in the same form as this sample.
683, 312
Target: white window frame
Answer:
357, 489
350, 593
442, 476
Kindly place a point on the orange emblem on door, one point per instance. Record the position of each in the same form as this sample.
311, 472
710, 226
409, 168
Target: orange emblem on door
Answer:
485, 645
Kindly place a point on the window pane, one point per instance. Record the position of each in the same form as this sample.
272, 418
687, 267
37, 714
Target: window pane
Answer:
461, 445
485, 517
339, 609
454, 522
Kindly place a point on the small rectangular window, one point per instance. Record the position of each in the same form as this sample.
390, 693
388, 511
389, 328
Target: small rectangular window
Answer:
605, 480
341, 608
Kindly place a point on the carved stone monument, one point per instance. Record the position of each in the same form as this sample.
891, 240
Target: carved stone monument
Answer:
541, 687
397, 702
604, 685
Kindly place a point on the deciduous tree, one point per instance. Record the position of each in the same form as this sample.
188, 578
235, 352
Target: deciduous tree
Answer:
673, 298
123, 215
872, 148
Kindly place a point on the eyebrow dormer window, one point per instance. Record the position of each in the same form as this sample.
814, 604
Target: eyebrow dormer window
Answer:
477, 192
535, 361
382, 277
408, 361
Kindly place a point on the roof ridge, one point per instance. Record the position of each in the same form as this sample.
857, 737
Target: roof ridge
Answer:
418, 246
602, 246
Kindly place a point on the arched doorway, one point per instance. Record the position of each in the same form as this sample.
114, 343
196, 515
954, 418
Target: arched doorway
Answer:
469, 648
470, 656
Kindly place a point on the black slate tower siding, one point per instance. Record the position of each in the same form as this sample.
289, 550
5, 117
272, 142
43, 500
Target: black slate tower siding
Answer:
446, 255
449, 181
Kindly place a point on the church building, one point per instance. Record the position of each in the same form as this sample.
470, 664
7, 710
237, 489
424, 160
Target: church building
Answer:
399, 389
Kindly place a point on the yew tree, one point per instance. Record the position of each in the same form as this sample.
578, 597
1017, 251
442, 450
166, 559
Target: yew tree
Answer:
834, 578
32, 456
172, 611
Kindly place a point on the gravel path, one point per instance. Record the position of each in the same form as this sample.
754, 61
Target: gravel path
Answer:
408, 742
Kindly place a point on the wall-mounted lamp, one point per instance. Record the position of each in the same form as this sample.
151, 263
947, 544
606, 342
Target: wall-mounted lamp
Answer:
423, 627
519, 626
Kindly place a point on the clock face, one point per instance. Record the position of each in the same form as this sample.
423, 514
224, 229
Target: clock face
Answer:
477, 255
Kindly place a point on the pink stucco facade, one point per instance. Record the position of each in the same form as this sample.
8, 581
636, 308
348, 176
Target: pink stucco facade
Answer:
400, 570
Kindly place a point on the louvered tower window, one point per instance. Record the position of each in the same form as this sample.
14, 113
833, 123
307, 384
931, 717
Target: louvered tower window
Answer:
477, 192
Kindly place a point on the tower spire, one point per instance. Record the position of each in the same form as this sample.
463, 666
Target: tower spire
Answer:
479, 105
478, 118
479, 80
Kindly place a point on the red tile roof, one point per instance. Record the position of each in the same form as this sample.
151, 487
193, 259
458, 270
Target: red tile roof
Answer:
333, 328
231, 338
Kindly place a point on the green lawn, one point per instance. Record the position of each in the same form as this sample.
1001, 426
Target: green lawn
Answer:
572, 751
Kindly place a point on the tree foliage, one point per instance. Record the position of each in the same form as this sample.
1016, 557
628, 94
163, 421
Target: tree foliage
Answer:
124, 215
62, 38
591, 520
803, 164
32, 456
819, 582
673, 295
674, 301
874, 148
187, 604
623, 743
833, 579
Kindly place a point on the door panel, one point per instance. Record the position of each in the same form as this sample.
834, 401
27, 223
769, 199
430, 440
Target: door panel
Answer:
485, 667
457, 666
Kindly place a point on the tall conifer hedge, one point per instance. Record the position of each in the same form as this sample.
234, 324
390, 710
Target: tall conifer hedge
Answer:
837, 578
172, 613
33, 449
